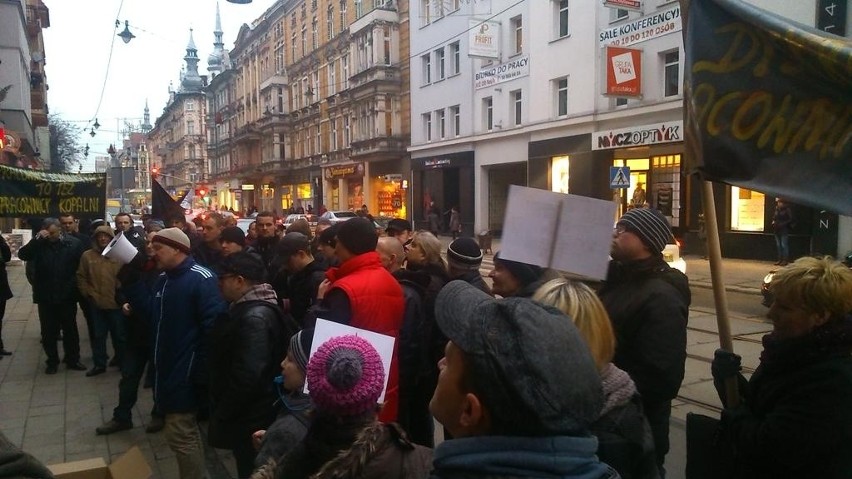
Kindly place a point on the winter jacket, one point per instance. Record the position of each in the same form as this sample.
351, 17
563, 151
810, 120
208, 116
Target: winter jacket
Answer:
648, 303
207, 256
474, 278
302, 289
796, 419
54, 268
97, 275
624, 437
415, 360
376, 451
247, 345
375, 304
181, 309
495, 457
287, 431
5, 257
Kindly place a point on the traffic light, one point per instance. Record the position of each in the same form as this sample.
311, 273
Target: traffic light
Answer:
201, 191
155, 173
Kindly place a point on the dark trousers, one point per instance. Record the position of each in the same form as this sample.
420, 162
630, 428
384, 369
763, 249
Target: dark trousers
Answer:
244, 455
132, 370
659, 414
2, 314
56, 317
112, 322
86, 308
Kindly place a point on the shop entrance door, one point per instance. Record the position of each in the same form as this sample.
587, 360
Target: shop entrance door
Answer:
499, 179
636, 195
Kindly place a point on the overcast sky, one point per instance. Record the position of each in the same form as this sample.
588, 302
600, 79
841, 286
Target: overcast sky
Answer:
77, 51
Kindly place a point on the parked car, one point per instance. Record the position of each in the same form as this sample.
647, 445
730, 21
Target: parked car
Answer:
243, 224
338, 216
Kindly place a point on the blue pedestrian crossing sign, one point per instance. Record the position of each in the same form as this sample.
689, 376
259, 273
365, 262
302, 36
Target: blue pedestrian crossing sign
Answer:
619, 177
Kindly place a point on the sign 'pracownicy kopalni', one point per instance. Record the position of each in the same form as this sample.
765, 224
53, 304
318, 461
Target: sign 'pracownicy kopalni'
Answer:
768, 104
32, 193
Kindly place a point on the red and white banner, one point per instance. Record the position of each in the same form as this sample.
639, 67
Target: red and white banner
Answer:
623, 72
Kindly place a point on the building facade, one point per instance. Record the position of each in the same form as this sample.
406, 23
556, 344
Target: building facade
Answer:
23, 85
528, 93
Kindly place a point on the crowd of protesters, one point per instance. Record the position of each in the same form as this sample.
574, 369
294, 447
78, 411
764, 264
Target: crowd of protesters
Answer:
537, 375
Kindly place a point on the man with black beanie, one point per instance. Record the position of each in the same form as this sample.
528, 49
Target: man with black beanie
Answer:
648, 303
362, 294
515, 279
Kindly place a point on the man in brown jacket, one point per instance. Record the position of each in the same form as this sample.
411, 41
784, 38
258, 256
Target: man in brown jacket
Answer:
96, 280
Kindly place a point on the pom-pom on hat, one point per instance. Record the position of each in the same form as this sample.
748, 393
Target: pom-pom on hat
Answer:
345, 376
173, 237
649, 225
464, 253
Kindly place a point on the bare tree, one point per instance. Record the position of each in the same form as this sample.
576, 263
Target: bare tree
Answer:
65, 150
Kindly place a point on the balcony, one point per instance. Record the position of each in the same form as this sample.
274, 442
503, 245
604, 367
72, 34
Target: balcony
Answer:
38, 17
376, 76
247, 134
379, 14
377, 148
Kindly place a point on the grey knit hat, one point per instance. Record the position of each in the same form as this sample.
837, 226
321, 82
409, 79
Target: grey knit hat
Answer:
300, 347
649, 225
464, 253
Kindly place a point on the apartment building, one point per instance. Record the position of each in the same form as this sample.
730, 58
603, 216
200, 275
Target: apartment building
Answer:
313, 111
554, 93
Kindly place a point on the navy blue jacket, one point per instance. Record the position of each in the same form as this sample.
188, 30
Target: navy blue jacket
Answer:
181, 309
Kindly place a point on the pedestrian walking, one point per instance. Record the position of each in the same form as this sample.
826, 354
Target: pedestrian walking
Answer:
455, 222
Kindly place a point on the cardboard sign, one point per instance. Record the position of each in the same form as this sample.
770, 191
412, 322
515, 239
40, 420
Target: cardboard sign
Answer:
572, 234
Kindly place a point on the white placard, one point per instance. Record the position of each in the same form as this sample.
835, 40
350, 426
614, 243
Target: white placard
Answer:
483, 39
325, 330
572, 234
642, 29
517, 68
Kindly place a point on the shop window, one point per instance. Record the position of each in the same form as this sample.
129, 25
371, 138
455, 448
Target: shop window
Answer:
747, 210
559, 174
665, 181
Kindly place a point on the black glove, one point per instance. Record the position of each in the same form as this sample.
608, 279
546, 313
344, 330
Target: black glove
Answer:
725, 365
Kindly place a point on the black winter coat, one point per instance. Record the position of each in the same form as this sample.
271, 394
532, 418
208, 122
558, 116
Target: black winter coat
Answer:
796, 420
302, 289
5, 257
248, 344
54, 268
648, 303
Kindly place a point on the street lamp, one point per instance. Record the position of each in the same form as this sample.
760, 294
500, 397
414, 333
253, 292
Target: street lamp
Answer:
126, 35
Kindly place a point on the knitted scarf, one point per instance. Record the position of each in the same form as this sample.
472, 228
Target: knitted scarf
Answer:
618, 388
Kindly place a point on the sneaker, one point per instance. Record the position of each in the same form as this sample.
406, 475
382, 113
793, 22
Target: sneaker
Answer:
51, 369
156, 425
95, 371
78, 366
112, 426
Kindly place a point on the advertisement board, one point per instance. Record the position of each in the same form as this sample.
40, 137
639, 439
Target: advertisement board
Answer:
623, 72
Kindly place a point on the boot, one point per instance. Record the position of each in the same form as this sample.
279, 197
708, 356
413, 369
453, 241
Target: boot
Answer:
112, 426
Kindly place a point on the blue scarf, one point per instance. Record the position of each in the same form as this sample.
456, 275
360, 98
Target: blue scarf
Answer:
541, 457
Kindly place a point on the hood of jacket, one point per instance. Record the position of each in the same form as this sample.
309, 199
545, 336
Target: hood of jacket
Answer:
259, 292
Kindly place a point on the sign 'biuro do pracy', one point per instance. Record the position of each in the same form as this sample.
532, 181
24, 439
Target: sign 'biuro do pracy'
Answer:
42, 194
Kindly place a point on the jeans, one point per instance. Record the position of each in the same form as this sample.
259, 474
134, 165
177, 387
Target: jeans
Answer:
54, 317
782, 243
132, 370
184, 439
108, 321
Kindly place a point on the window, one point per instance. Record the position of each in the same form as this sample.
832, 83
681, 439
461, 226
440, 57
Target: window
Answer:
293, 46
427, 126
671, 73
329, 22
426, 12
190, 105
315, 86
315, 33
347, 131
517, 106
333, 134
561, 7
439, 9
620, 101
190, 127
442, 123
618, 14
456, 119
455, 58
359, 8
279, 56
318, 141
747, 210
439, 64
488, 113
454, 5
342, 15
387, 44
517, 26
426, 65
304, 40
345, 80
561, 96
332, 77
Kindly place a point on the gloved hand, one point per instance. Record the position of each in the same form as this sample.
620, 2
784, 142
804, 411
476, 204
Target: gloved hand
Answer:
725, 365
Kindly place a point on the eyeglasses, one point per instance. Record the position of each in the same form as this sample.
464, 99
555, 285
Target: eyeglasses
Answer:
620, 229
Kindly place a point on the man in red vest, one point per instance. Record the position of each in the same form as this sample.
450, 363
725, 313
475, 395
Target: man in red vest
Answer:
362, 294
